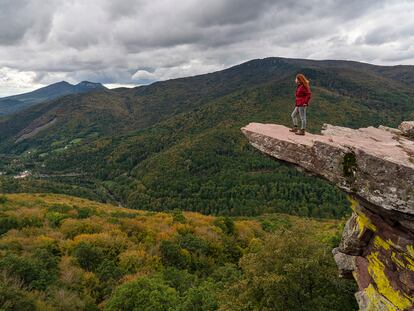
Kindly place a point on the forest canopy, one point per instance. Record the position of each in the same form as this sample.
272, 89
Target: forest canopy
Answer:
65, 253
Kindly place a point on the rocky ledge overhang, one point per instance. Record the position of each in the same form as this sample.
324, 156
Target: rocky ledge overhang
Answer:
376, 167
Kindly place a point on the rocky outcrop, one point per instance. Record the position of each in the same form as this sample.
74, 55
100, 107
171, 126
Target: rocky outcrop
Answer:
376, 167
407, 128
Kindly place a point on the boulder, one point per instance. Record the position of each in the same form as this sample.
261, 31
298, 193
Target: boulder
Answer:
345, 263
407, 128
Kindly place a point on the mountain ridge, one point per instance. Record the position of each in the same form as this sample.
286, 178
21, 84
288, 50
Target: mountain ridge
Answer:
254, 72
166, 145
15, 103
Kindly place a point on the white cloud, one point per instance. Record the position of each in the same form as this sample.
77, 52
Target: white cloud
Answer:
13, 81
192, 67
144, 75
117, 85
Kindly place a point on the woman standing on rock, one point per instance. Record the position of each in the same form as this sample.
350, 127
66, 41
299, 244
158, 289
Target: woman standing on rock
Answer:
303, 95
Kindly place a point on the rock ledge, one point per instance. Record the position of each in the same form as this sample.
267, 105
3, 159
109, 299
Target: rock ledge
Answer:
376, 167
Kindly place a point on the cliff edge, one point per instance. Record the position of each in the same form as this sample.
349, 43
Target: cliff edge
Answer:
376, 167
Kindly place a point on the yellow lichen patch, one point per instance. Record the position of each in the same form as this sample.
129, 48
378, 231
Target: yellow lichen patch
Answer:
376, 270
362, 220
410, 251
410, 264
354, 203
380, 243
397, 261
376, 301
355, 274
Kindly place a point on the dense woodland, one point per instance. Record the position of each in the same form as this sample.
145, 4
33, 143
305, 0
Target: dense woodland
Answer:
66, 253
177, 144
238, 181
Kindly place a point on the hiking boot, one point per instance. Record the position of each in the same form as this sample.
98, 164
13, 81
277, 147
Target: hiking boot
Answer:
294, 129
300, 132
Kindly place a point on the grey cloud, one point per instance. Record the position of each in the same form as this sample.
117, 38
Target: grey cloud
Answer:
386, 34
218, 23
231, 12
13, 27
109, 41
348, 10
19, 18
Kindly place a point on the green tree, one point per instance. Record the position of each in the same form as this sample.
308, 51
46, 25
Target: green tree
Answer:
88, 256
37, 271
291, 271
144, 294
201, 298
7, 223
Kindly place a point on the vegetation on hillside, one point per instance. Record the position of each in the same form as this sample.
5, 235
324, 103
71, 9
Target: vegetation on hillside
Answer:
66, 253
177, 144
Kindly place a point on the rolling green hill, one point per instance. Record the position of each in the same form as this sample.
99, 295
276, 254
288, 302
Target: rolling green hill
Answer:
177, 144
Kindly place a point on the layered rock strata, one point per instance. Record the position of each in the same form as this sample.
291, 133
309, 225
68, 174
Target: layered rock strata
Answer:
376, 167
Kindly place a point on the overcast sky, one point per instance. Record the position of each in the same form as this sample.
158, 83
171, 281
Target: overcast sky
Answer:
132, 42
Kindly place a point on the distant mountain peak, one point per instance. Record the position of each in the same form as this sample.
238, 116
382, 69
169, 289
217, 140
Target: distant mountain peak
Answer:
89, 85
61, 82
15, 103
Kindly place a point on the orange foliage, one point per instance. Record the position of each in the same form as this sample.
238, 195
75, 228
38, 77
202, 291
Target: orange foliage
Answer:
247, 229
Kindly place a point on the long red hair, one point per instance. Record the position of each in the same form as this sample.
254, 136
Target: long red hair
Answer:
302, 79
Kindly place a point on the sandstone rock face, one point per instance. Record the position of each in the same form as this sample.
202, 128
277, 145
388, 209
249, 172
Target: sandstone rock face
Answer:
376, 167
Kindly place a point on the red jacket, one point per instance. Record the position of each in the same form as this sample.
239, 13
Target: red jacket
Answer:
303, 95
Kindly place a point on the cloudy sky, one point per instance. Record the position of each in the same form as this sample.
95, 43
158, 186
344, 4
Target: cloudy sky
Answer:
132, 42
